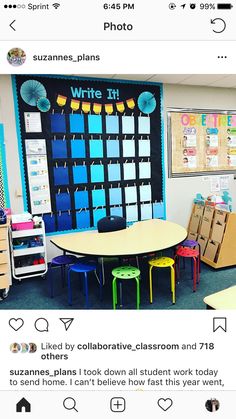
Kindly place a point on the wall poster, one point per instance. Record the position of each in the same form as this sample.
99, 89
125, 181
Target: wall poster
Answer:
201, 141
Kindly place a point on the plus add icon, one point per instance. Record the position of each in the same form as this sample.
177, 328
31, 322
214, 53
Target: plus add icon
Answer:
117, 404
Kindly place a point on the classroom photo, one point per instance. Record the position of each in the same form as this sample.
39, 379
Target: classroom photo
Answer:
118, 192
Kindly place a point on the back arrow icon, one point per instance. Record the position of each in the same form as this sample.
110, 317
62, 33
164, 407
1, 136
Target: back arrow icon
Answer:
11, 25
214, 21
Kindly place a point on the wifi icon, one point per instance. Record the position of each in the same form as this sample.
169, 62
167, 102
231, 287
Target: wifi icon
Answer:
56, 5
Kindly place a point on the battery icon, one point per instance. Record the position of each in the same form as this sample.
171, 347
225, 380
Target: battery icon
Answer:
224, 6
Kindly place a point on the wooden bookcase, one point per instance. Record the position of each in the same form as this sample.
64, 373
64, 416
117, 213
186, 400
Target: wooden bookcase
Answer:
215, 231
5, 264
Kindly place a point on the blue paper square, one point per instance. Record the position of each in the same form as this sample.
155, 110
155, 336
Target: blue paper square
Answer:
95, 124
131, 194
97, 173
80, 174
64, 221
128, 148
98, 214
115, 196
63, 201
128, 124
145, 193
77, 123
144, 125
158, 210
83, 219
146, 211
117, 211
98, 197
112, 124
129, 171
81, 199
113, 148
58, 123
78, 149
131, 213
96, 148
114, 172
49, 221
61, 175
144, 170
59, 149
144, 148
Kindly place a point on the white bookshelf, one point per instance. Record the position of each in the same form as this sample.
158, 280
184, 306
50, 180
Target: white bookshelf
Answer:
30, 269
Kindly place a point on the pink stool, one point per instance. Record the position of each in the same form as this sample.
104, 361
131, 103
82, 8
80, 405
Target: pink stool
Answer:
186, 252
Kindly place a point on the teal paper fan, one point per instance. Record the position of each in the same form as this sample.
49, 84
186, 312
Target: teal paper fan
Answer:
147, 102
43, 104
31, 91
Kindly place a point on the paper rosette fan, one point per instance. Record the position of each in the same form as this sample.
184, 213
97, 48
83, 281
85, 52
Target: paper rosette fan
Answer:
31, 91
43, 104
147, 102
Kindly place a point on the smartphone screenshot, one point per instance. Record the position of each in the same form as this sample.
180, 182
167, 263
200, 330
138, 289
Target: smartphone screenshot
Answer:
117, 209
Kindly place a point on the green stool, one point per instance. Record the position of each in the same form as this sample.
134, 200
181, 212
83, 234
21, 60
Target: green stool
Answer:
125, 272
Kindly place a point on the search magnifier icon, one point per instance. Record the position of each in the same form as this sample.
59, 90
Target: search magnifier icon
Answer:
70, 404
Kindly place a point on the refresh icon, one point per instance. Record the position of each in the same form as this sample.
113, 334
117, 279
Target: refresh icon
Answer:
219, 22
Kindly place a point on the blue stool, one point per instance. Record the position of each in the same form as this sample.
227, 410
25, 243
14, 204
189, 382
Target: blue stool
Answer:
61, 262
84, 269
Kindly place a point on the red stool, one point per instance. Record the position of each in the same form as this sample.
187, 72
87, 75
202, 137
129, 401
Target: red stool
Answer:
186, 252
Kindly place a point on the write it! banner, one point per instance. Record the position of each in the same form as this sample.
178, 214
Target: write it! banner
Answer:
88, 107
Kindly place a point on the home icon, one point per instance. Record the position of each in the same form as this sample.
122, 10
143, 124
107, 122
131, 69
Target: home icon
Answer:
23, 406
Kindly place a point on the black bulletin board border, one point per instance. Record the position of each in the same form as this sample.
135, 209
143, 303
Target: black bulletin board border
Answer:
128, 89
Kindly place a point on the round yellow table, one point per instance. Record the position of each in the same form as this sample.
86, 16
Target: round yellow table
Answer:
141, 238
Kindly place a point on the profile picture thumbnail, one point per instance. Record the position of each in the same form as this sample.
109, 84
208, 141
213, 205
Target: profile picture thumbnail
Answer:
32, 347
15, 348
212, 405
24, 348
16, 57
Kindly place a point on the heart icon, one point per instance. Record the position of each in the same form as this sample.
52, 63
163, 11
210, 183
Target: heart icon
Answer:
16, 324
165, 404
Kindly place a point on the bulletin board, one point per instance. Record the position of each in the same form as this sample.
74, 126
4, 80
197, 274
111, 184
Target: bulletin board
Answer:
4, 193
89, 148
201, 141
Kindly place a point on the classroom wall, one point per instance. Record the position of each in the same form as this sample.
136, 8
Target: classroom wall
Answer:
179, 192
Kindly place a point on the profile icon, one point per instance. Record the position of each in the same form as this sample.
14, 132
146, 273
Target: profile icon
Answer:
24, 348
15, 348
32, 348
16, 57
212, 405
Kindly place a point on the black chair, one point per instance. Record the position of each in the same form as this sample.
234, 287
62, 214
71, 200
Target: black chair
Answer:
111, 223
107, 225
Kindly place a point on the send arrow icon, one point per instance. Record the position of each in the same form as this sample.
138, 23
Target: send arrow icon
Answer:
67, 322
